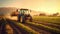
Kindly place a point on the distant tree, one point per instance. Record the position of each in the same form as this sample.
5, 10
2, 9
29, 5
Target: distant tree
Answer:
56, 14
42, 14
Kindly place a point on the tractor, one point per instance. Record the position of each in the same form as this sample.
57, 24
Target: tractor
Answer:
23, 15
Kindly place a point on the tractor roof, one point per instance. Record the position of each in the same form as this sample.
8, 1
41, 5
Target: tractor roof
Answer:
23, 9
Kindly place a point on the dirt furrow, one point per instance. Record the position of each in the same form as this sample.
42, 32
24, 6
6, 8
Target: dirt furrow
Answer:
45, 29
15, 27
49, 24
38, 30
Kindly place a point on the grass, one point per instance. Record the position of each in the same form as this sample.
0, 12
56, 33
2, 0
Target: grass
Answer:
55, 20
45, 27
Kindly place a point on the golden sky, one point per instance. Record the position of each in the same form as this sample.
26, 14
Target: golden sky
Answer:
47, 6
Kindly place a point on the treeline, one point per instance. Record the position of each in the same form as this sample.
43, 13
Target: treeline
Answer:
43, 14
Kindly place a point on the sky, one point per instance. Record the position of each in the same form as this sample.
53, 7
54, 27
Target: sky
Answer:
47, 6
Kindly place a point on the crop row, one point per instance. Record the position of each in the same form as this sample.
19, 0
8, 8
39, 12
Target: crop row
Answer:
47, 28
26, 28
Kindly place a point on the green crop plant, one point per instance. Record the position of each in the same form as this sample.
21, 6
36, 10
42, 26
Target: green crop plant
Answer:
47, 19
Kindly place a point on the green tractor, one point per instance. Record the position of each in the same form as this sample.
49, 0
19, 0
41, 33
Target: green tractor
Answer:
24, 15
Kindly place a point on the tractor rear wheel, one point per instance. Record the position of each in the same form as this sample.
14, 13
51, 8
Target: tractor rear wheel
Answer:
22, 19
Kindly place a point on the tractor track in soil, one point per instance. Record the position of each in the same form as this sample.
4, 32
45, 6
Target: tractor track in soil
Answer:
15, 28
48, 24
37, 29
41, 31
2, 27
42, 28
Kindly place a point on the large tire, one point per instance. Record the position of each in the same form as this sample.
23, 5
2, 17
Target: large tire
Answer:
23, 19
30, 19
19, 17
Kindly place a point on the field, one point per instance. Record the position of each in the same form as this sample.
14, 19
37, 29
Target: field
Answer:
45, 23
47, 19
39, 25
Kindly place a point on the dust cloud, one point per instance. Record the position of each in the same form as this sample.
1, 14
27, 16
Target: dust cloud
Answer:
6, 11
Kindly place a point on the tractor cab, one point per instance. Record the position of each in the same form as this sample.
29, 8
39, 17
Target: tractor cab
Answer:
24, 14
24, 11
